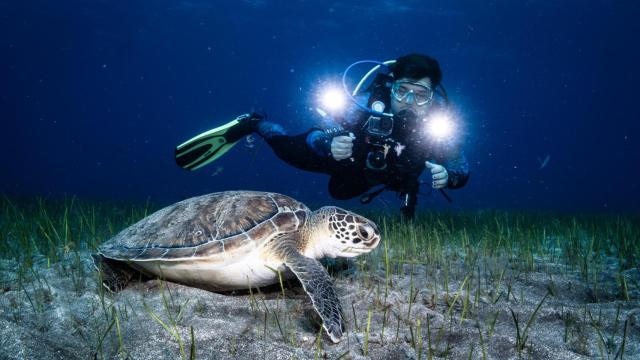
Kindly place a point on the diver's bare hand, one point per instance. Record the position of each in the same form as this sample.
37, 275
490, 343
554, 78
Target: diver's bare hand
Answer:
342, 146
439, 175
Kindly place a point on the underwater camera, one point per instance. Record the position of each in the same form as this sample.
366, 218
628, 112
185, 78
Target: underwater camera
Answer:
379, 128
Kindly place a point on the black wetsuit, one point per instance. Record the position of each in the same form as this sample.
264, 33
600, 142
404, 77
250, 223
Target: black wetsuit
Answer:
405, 159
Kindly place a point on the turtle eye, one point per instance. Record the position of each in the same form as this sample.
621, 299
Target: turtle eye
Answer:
363, 232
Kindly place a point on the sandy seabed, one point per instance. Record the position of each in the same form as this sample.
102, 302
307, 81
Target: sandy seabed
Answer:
57, 312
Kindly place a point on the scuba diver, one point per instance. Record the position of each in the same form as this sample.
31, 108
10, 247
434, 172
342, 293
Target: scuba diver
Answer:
367, 150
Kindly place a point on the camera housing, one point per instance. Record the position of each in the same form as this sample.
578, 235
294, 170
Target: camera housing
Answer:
379, 141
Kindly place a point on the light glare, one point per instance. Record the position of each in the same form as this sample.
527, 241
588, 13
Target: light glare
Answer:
333, 99
440, 126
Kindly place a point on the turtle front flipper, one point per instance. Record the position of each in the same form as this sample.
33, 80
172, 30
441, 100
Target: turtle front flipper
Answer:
319, 286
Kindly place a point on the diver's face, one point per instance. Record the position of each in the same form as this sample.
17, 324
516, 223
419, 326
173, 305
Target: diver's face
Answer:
411, 91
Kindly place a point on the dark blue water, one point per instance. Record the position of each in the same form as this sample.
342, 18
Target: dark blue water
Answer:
94, 95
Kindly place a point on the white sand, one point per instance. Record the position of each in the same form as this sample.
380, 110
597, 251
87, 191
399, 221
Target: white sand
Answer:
68, 320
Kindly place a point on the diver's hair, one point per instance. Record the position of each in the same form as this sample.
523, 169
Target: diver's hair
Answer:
417, 66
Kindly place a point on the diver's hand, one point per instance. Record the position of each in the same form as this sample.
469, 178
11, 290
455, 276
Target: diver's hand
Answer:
439, 175
342, 146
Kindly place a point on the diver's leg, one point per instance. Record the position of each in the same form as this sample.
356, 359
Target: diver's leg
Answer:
295, 151
292, 149
267, 129
253, 123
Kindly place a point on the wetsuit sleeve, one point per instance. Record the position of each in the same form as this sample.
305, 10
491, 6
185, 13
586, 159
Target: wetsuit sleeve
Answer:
319, 142
458, 168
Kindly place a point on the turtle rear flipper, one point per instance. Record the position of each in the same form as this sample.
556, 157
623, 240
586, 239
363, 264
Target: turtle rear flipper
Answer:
115, 274
319, 286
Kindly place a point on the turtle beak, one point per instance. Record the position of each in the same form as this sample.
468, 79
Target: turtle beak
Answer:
352, 252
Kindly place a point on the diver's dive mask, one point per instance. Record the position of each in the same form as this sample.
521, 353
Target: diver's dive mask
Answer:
421, 95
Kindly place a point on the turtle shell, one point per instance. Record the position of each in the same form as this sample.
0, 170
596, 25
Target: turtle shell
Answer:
224, 223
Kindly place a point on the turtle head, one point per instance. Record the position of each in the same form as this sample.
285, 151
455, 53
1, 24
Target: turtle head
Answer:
340, 233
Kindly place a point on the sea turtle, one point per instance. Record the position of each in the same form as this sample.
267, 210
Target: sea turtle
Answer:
237, 240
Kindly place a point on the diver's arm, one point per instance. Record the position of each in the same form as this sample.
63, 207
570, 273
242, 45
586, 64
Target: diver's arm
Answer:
319, 142
458, 169
338, 141
339, 146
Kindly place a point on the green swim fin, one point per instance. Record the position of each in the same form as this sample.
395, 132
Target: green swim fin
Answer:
210, 145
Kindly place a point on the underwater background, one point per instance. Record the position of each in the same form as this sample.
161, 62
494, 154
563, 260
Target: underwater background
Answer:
95, 95
537, 257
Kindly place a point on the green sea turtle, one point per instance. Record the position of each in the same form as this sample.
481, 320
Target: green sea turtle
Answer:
237, 240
